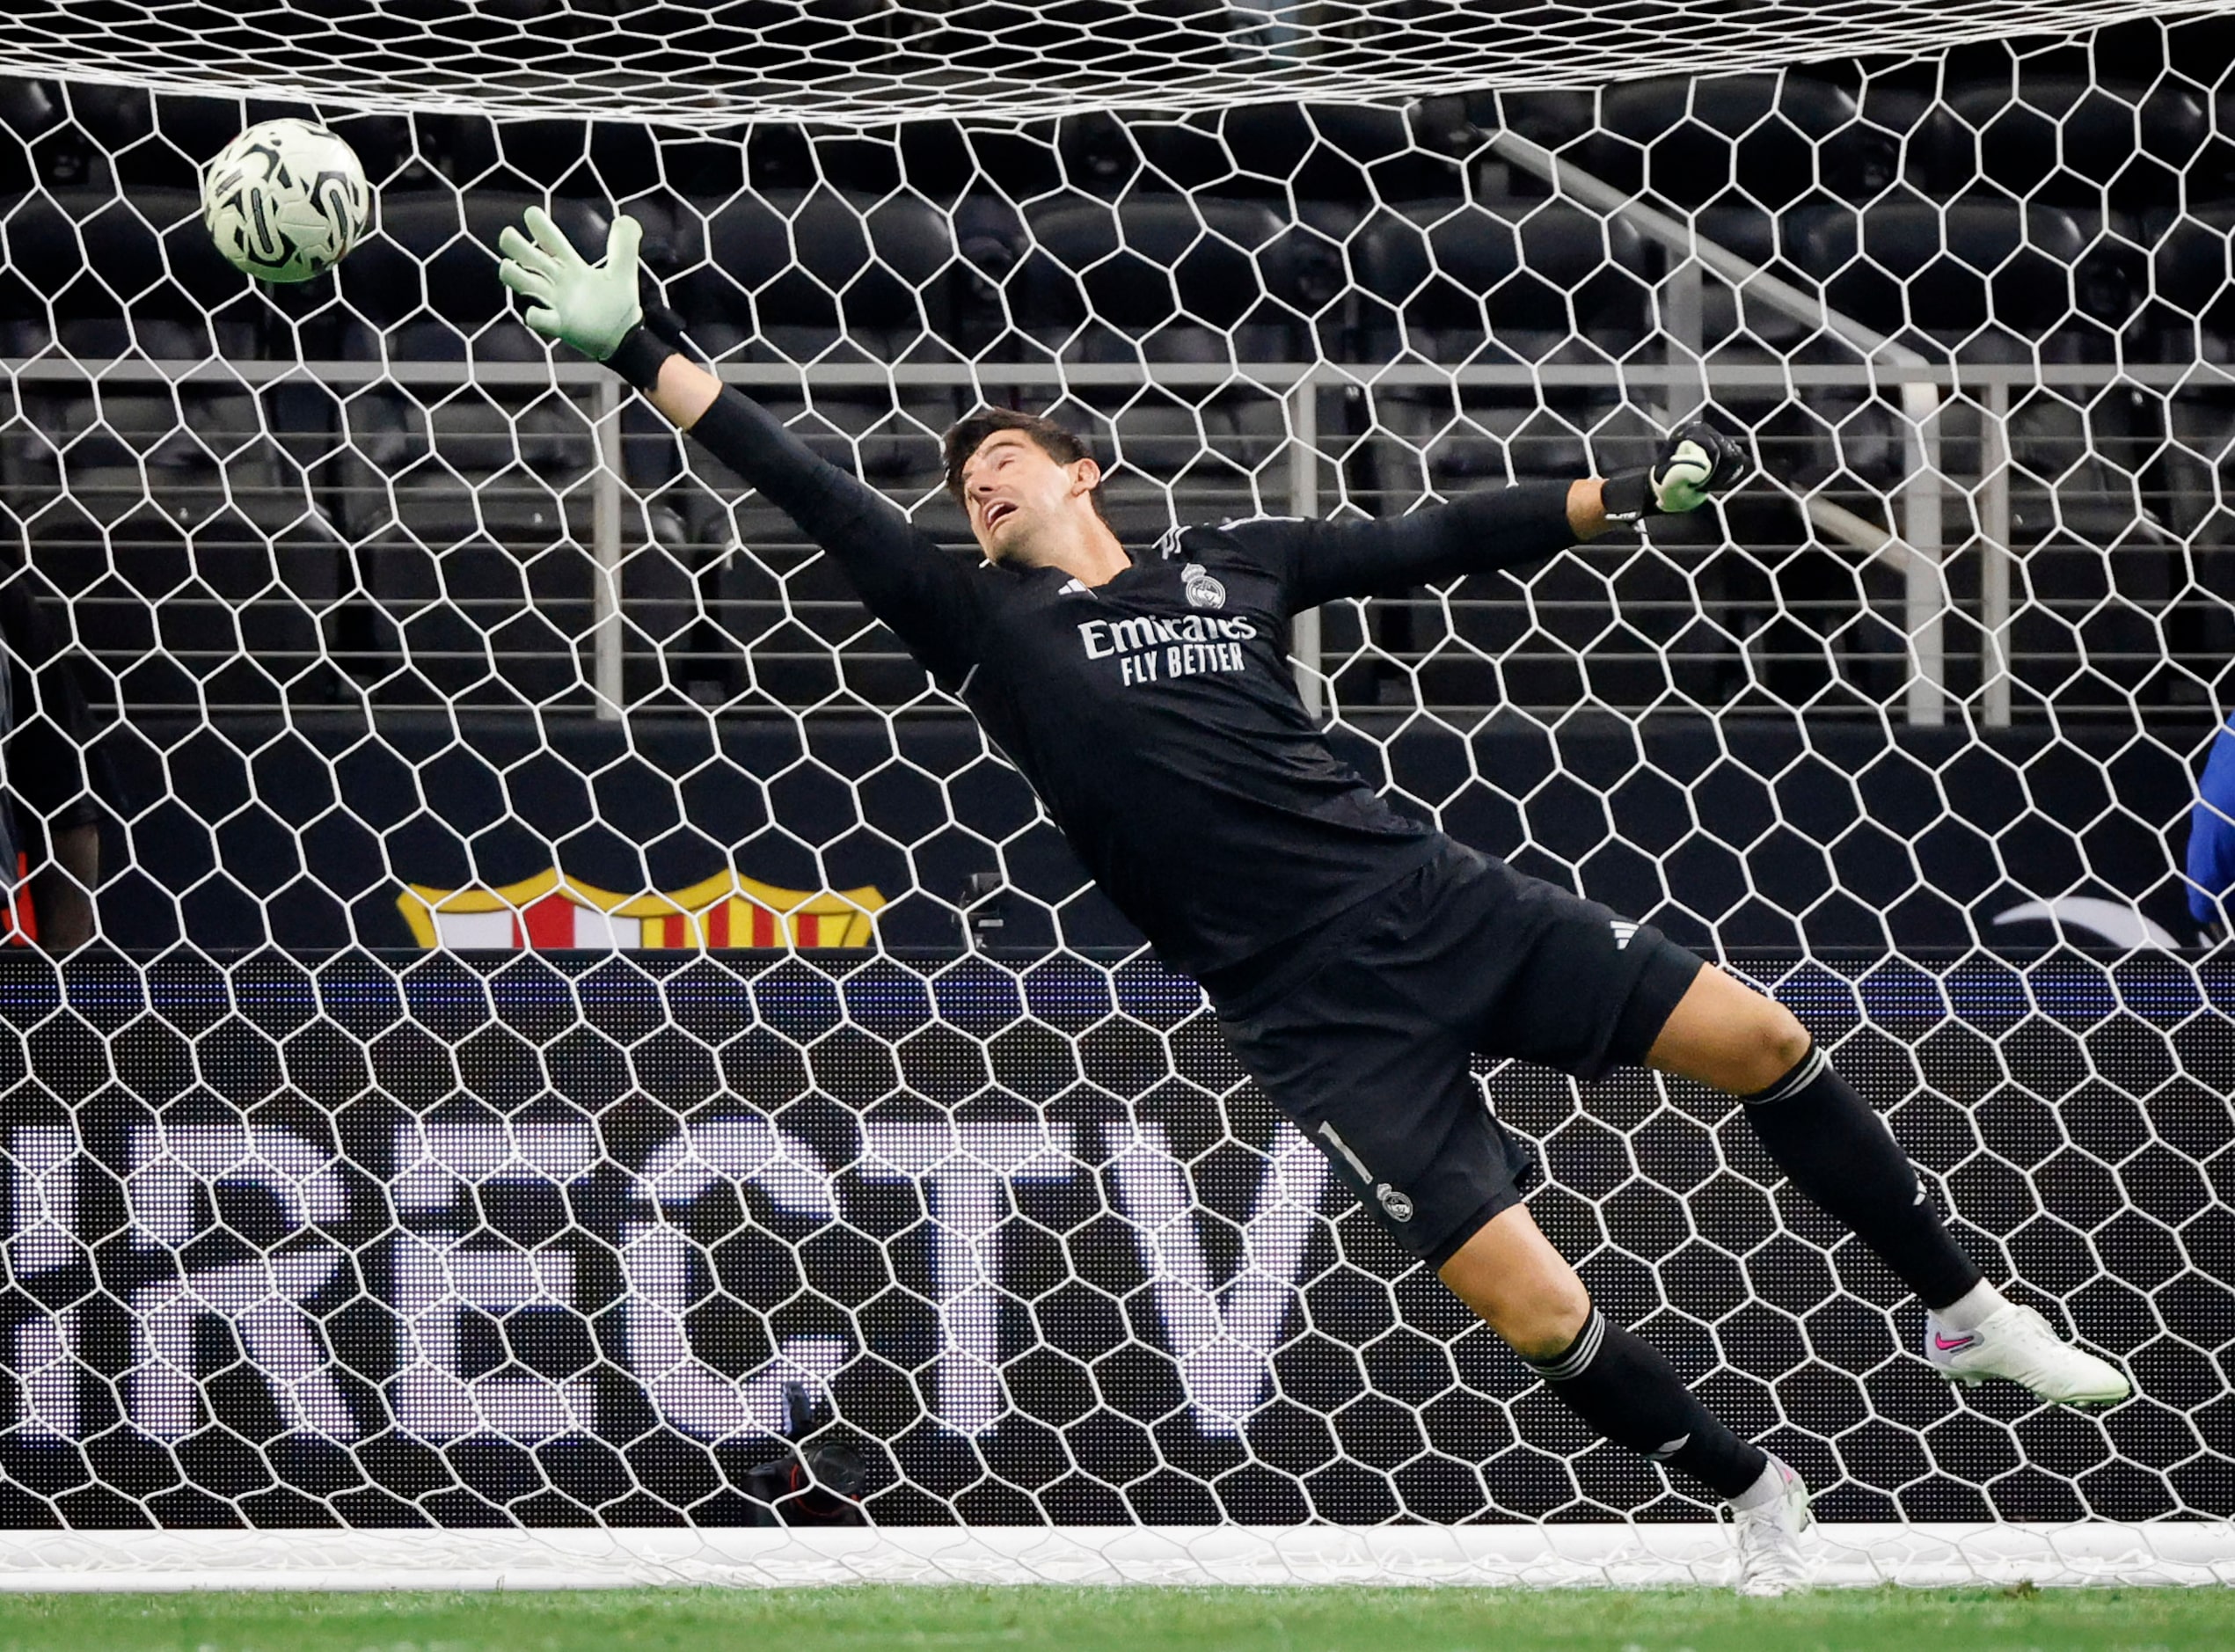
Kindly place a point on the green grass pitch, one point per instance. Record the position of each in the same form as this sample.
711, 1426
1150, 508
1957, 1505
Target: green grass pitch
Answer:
1128, 1620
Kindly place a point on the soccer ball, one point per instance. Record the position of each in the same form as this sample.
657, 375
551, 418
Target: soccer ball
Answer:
285, 199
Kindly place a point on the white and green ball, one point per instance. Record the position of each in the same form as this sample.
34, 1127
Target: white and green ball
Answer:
285, 200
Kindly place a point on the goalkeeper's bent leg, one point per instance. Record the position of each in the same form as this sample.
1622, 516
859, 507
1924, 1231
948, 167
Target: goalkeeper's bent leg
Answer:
1615, 1381
1842, 1154
1828, 1140
1623, 1386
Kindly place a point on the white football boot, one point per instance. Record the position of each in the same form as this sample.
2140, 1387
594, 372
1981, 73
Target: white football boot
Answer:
1766, 1524
2017, 1343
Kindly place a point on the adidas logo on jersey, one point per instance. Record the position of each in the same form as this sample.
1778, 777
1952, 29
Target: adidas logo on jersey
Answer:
1625, 932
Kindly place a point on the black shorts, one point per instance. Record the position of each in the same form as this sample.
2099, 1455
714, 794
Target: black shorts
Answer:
1365, 1044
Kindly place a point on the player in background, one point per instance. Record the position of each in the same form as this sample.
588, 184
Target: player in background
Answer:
2211, 841
1356, 957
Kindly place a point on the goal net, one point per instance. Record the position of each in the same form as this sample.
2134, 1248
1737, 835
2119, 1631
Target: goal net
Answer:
592, 1070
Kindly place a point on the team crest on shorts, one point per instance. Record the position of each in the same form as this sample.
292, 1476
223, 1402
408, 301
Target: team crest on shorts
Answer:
1203, 591
1400, 1205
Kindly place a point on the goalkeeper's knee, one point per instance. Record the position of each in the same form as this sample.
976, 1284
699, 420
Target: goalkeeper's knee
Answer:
1725, 1034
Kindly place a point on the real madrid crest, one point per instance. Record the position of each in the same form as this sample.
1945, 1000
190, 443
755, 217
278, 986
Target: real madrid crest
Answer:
1203, 591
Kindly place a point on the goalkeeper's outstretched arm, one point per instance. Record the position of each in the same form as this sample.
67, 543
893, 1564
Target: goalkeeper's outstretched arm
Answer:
915, 587
1494, 528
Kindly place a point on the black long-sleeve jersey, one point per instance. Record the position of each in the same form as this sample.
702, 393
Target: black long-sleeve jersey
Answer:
1156, 715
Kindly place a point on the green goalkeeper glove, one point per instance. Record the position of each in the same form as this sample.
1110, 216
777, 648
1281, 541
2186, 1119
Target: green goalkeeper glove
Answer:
1696, 462
592, 307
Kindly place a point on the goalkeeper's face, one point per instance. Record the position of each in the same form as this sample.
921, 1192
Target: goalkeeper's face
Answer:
1024, 503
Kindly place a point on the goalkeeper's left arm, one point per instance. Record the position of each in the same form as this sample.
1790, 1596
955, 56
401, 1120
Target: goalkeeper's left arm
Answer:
1494, 528
902, 576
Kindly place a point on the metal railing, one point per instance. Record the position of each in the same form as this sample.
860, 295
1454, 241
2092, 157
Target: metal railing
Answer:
1920, 547
1915, 544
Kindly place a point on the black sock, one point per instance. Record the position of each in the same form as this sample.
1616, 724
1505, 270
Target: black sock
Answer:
1619, 1384
1844, 1156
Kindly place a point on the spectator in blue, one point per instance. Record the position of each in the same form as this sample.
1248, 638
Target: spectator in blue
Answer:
2211, 840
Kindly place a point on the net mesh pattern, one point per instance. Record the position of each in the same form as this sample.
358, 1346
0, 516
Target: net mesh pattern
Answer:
580, 995
863, 61
545, 1242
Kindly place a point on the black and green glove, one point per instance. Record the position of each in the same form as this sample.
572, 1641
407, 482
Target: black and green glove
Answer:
1696, 462
593, 308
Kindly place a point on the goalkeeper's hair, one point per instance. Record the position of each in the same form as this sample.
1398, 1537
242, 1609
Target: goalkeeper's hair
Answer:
965, 435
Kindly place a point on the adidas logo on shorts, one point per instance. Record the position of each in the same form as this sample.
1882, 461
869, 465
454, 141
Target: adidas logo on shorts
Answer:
1624, 933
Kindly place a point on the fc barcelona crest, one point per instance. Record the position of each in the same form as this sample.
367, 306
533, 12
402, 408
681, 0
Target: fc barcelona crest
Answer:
550, 912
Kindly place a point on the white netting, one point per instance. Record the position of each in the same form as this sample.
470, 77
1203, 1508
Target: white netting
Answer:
582, 997
871, 61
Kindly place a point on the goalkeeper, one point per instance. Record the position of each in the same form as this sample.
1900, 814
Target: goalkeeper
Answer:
1356, 957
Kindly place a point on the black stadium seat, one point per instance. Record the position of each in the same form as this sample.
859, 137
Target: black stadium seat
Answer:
1274, 152
1512, 281
1986, 275
1495, 284
466, 503
793, 278
2191, 317
1163, 279
1167, 279
1998, 282
430, 266
2065, 139
1512, 284
790, 274
90, 264
170, 512
1767, 141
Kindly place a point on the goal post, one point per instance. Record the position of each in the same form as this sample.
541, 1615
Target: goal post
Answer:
594, 1072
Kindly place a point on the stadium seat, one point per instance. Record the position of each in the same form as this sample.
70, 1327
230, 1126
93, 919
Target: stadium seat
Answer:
1510, 281
1494, 284
469, 504
600, 160
197, 560
2064, 139
1772, 586
795, 274
1158, 279
100, 263
1274, 152
431, 265
2190, 315
474, 512
79, 136
1771, 141
156, 142
1980, 275
793, 278
1994, 283
1554, 118
168, 513
1507, 283
2192, 318
29, 109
